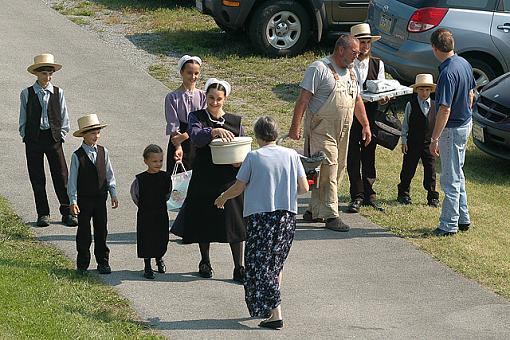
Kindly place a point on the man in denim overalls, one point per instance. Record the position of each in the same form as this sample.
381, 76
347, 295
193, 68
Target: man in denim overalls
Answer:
329, 96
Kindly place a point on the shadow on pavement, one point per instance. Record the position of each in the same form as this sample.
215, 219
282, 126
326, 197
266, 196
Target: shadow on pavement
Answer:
204, 324
119, 276
117, 238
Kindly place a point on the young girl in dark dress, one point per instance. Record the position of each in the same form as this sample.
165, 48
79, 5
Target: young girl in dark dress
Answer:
199, 221
150, 191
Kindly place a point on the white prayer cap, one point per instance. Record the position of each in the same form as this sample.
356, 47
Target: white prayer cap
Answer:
186, 58
224, 83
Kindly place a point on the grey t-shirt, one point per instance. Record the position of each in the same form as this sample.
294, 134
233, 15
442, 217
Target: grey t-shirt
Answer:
271, 174
320, 81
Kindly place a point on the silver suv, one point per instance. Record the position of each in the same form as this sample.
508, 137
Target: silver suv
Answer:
481, 29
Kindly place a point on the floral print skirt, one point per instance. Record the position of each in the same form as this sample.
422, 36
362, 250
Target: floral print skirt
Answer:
269, 238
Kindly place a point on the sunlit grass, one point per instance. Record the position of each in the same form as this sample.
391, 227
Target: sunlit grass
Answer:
42, 297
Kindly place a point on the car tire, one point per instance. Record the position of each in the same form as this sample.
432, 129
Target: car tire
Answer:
280, 28
482, 71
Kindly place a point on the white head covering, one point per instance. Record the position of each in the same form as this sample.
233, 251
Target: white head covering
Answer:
186, 58
225, 84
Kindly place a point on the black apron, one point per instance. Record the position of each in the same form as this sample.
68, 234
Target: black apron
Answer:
199, 220
152, 215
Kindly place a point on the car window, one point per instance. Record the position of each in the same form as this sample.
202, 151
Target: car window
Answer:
506, 5
484, 5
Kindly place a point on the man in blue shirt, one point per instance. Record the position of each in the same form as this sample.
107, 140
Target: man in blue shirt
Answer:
454, 101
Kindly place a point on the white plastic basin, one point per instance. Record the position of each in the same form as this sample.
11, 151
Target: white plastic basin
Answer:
230, 152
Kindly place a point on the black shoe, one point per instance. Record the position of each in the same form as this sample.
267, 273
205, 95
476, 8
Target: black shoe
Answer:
355, 205
104, 268
441, 232
161, 266
336, 224
464, 227
404, 200
238, 275
43, 221
372, 203
69, 220
307, 217
276, 324
205, 270
148, 273
434, 203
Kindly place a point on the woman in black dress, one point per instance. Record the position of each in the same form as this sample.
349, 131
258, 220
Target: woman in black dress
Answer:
199, 221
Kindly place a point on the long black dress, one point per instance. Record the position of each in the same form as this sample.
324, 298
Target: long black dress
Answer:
199, 220
152, 215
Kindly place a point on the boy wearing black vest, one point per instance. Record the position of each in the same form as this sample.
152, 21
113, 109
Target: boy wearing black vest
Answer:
43, 125
419, 120
90, 179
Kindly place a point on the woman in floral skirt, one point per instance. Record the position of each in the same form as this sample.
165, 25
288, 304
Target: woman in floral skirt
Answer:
271, 178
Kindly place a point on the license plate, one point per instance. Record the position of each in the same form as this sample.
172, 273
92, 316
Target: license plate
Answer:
385, 23
199, 6
478, 133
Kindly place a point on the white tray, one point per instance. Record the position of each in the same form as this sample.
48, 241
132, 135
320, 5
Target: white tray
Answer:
372, 97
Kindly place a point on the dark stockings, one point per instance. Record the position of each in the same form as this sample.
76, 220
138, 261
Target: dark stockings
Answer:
147, 262
236, 248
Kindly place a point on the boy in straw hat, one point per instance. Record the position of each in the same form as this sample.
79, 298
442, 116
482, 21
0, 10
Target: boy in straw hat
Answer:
361, 157
419, 120
43, 125
90, 179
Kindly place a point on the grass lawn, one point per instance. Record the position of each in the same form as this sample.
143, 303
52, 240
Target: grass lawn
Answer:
42, 297
270, 86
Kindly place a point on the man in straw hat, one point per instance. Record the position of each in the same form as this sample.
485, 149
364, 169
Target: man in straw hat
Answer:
419, 119
361, 157
43, 125
91, 177
454, 103
330, 95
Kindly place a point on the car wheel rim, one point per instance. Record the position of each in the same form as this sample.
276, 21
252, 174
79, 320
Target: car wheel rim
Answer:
481, 77
283, 30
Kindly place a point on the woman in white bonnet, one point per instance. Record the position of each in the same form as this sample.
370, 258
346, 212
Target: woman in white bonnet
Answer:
178, 104
199, 221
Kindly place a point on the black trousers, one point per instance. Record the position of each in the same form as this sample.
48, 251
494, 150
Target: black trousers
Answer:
410, 163
35, 152
360, 165
92, 208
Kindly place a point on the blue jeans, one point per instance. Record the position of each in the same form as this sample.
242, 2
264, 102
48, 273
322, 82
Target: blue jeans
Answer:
452, 150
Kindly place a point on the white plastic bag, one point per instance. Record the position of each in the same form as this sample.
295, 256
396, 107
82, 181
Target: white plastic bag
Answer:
180, 182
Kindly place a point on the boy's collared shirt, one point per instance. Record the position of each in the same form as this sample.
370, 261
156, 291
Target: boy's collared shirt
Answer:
44, 97
72, 184
424, 106
361, 68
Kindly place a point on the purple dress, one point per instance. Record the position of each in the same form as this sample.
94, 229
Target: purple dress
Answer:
178, 105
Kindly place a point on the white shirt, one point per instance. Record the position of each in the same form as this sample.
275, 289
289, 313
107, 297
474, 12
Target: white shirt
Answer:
361, 67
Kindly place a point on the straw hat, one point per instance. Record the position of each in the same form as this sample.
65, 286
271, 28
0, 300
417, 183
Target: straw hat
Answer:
362, 31
87, 123
424, 79
44, 59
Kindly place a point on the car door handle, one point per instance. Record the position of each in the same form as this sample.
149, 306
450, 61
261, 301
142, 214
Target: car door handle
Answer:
506, 27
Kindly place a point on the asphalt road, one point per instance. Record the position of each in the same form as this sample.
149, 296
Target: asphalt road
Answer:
364, 284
